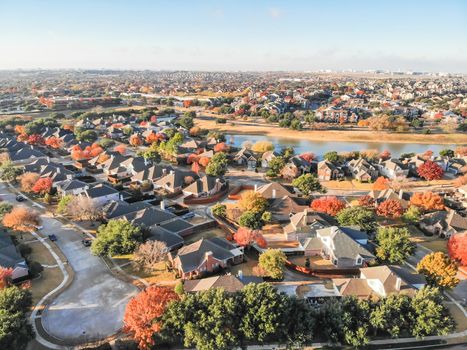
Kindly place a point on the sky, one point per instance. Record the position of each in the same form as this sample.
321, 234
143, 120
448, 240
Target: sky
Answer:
297, 35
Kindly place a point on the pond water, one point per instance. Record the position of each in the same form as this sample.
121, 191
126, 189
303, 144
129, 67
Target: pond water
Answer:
319, 148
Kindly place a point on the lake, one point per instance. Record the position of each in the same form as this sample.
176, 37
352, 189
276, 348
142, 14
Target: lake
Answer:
319, 148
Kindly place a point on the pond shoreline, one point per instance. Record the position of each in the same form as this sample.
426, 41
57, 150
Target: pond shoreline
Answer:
348, 135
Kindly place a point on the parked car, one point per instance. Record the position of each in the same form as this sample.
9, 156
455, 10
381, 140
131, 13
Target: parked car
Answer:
189, 215
87, 242
52, 237
20, 198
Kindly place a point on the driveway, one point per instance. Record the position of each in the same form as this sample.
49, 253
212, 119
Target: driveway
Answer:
94, 304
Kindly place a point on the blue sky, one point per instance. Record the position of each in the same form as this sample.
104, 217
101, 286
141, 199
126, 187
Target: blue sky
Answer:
234, 35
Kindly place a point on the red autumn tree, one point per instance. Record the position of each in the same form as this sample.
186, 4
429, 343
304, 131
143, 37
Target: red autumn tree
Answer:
381, 184
77, 154
330, 205
54, 142
391, 208
135, 140
28, 180
427, 201
245, 237
35, 139
457, 248
5, 276
385, 155
95, 150
308, 157
366, 201
204, 161
221, 147
21, 219
120, 149
430, 171
43, 185
143, 312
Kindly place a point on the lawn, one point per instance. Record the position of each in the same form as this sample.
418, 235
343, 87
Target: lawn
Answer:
159, 275
458, 315
210, 233
433, 243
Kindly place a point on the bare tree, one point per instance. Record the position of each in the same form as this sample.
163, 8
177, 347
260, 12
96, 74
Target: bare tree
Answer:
148, 255
83, 208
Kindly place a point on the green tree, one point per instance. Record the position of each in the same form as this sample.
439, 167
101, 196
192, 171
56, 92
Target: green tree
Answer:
206, 320
272, 261
5, 208
430, 314
217, 165
151, 154
251, 220
307, 184
263, 314
394, 245
355, 324
412, 214
446, 153
179, 288
116, 237
106, 143
392, 315
186, 121
357, 216
15, 331
299, 323
275, 166
331, 156
329, 323
87, 136
63, 203
219, 210
8, 172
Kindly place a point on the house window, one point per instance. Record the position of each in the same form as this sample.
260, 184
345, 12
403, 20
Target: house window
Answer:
359, 261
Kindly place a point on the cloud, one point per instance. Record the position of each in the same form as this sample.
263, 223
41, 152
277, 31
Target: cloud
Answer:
274, 12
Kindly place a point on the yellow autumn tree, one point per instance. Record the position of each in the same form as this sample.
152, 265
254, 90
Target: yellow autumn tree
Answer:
439, 270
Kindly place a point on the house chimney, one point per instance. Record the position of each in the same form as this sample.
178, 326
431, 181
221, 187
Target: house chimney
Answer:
256, 187
274, 193
164, 171
398, 283
240, 275
208, 254
171, 172
162, 204
401, 193
48, 159
59, 170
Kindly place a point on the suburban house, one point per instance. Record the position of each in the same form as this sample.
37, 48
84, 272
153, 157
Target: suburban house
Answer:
381, 281
328, 171
228, 283
10, 257
175, 180
246, 158
362, 170
393, 168
205, 186
102, 194
71, 187
304, 224
345, 247
384, 195
443, 223
274, 190
205, 256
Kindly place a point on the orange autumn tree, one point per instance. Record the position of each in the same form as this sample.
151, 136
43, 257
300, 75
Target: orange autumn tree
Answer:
43, 185
308, 157
457, 248
35, 139
366, 201
192, 158
329, 204
21, 219
204, 161
20, 129
381, 184
54, 142
391, 208
135, 140
385, 155
246, 237
143, 312
427, 201
22, 137
151, 138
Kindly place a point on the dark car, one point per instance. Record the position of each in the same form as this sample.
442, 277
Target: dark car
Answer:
20, 198
87, 242
52, 237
